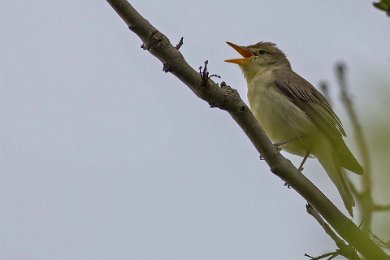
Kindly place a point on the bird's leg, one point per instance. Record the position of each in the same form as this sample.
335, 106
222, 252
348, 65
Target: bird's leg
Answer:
300, 168
279, 144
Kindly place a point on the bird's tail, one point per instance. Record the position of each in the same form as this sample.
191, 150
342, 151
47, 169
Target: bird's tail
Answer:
330, 161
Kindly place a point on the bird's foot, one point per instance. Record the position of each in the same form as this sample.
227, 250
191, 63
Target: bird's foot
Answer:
300, 168
278, 146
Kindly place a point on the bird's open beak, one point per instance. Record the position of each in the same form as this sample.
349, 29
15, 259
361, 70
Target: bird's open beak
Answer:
244, 52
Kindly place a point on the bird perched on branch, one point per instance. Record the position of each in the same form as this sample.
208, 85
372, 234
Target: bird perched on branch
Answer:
295, 115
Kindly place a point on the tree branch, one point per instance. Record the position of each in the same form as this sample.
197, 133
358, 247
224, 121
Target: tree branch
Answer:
344, 249
228, 99
365, 199
383, 5
381, 207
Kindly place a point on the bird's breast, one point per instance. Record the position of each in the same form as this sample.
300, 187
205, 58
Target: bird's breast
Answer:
280, 118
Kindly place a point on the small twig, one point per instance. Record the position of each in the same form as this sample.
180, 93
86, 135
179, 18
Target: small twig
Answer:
330, 254
380, 242
366, 199
166, 67
205, 75
334, 255
344, 249
324, 225
179, 44
378, 207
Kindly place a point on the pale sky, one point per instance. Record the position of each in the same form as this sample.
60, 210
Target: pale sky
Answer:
104, 156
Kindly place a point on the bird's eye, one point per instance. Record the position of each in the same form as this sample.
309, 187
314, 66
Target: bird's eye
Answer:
261, 52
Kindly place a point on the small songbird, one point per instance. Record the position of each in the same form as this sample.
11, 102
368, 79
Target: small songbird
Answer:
295, 115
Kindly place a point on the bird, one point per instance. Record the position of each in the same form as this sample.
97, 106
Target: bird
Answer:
294, 114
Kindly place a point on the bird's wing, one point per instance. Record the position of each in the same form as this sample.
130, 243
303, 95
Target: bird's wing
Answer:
311, 101
318, 109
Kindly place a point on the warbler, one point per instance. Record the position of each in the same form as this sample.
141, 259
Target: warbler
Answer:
295, 115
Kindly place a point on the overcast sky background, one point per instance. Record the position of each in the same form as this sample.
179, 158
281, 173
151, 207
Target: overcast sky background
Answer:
104, 156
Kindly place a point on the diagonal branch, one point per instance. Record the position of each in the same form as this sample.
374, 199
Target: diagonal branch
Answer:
229, 100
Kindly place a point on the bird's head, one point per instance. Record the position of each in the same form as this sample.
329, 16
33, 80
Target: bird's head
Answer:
259, 57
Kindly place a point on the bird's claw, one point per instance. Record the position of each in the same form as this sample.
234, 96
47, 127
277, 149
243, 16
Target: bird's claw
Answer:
278, 146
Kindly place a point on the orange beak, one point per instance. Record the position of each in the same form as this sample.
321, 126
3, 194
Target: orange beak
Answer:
244, 52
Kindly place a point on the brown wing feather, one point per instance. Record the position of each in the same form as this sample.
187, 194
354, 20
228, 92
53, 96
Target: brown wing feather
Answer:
318, 109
